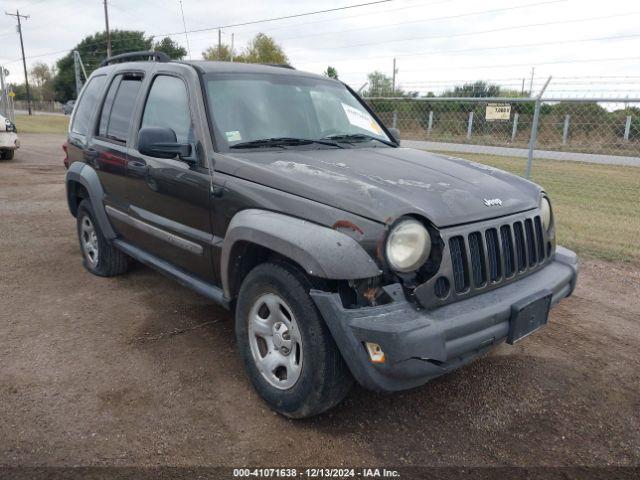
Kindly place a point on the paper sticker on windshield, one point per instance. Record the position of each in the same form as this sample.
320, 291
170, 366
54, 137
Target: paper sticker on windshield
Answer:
361, 119
233, 136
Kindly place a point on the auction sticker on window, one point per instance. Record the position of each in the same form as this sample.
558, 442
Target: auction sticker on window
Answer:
233, 136
361, 119
498, 111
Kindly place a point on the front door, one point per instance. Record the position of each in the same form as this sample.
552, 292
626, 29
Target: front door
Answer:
169, 198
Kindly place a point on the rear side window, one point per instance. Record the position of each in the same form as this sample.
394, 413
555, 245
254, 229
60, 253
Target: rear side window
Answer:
168, 106
87, 105
115, 118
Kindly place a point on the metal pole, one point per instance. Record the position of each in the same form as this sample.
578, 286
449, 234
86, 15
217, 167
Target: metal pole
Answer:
470, 125
565, 130
4, 98
24, 62
534, 129
186, 36
76, 69
514, 129
219, 44
533, 70
231, 52
106, 26
627, 128
430, 125
394, 121
393, 81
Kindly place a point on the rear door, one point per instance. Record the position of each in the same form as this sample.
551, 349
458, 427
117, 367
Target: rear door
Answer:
108, 148
169, 197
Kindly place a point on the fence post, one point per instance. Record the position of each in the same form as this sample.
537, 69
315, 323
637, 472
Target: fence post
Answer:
534, 129
470, 125
514, 129
565, 131
394, 121
627, 128
430, 125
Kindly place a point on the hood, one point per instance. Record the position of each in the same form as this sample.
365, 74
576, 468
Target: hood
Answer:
385, 183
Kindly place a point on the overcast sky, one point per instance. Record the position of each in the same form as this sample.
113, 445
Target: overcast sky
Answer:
437, 43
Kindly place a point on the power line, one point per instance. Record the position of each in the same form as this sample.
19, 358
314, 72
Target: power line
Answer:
479, 32
447, 17
498, 47
253, 22
357, 15
225, 26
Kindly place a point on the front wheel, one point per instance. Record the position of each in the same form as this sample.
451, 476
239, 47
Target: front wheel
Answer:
288, 351
7, 154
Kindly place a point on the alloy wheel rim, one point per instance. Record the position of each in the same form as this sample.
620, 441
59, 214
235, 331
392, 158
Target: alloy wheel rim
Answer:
275, 341
89, 241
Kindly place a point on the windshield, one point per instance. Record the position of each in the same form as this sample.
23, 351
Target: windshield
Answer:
251, 107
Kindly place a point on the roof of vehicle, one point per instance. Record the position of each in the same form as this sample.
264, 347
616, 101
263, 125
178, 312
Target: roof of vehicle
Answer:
238, 67
207, 66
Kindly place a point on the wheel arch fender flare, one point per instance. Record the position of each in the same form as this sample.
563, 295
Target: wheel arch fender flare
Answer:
86, 176
319, 250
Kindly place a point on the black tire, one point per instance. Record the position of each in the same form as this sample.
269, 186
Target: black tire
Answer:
7, 154
110, 261
324, 379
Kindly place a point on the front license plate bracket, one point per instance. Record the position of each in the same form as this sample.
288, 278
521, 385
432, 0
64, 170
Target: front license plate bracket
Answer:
528, 315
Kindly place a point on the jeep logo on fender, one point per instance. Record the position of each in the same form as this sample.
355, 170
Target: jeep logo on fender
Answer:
493, 202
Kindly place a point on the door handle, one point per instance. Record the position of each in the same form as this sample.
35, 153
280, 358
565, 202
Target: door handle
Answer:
137, 167
91, 155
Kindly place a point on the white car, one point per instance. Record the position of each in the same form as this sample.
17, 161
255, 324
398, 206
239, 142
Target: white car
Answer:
9, 141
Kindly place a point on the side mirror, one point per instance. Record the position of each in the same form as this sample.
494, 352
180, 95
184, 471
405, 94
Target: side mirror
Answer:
395, 134
161, 142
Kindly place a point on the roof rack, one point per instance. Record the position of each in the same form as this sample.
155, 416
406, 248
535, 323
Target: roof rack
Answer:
281, 65
149, 55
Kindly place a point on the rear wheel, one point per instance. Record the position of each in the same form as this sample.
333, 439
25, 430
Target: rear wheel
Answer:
288, 351
98, 255
7, 154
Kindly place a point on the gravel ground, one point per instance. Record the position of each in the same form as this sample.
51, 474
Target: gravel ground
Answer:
137, 370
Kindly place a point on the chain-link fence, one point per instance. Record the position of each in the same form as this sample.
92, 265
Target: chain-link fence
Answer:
584, 152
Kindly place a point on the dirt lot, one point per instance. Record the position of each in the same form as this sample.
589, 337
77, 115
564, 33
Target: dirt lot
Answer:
137, 370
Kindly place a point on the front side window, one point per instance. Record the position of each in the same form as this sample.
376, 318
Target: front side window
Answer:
250, 107
168, 106
118, 107
87, 105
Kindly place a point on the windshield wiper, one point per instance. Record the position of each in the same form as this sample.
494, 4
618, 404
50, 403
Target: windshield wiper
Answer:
283, 142
358, 137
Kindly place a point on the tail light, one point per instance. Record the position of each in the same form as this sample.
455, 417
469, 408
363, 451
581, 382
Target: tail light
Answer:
66, 155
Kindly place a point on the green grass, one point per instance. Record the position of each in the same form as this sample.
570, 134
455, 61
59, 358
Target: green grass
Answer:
42, 123
596, 207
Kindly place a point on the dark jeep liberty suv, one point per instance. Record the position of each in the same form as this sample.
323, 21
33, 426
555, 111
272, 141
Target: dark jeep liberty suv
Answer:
280, 195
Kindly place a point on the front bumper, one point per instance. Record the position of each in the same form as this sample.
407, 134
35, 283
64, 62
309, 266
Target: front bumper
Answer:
420, 345
9, 141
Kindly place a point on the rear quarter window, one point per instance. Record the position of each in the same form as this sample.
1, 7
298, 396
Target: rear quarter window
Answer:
87, 104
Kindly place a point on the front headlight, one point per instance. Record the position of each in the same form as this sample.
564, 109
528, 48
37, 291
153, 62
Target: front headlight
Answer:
545, 213
408, 246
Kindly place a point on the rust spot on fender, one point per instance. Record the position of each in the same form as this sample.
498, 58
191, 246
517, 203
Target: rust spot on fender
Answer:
347, 224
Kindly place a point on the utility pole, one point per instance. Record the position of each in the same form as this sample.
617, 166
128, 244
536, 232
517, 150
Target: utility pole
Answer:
533, 71
106, 25
219, 44
184, 26
231, 52
24, 62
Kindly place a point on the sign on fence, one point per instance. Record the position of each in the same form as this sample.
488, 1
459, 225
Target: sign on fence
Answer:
498, 111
